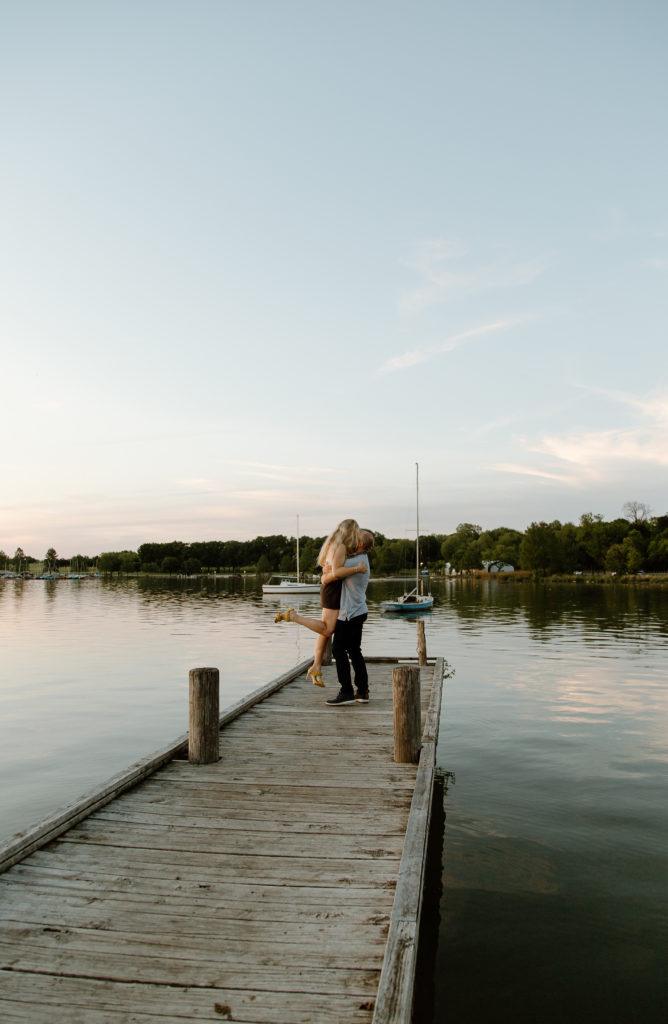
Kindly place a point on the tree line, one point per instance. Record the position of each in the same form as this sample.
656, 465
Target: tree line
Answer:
635, 542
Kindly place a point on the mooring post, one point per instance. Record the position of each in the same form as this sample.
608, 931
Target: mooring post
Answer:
327, 656
421, 644
407, 721
204, 731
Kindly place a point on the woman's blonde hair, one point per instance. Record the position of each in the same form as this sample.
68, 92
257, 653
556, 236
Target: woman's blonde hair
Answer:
347, 533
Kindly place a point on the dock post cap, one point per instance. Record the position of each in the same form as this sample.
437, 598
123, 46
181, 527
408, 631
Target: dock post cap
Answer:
204, 712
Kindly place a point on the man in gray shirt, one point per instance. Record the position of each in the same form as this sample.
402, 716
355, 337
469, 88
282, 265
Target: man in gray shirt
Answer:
347, 639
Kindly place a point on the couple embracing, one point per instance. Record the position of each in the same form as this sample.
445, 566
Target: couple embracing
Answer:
345, 576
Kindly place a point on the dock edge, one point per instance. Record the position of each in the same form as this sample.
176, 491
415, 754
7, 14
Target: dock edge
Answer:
396, 988
24, 843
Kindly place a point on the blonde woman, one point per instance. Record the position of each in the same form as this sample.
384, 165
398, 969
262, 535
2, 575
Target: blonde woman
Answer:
341, 543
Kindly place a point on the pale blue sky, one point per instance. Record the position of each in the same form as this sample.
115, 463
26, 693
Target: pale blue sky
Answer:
259, 258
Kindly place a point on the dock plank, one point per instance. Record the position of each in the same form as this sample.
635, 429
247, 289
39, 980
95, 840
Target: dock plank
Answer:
260, 888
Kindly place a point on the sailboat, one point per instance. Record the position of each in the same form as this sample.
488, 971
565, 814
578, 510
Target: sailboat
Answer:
287, 584
415, 600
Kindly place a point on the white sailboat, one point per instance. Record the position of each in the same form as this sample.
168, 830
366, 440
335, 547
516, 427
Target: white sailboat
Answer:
287, 584
415, 600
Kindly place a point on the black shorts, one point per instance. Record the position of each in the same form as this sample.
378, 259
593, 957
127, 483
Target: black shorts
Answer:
330, 595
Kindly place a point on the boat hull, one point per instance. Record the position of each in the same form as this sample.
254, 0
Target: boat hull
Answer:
290, 588
420, 604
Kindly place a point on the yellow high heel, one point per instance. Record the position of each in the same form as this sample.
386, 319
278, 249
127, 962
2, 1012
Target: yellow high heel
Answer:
284, 616
316, 676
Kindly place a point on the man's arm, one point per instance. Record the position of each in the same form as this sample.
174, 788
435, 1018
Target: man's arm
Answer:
331, 573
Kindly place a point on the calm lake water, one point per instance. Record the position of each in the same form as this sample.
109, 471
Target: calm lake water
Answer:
550, 895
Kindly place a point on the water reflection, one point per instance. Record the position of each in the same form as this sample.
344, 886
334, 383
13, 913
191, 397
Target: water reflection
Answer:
551, 892
555, 902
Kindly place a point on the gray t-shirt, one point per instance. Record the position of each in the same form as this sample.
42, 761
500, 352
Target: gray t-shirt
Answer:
353, 592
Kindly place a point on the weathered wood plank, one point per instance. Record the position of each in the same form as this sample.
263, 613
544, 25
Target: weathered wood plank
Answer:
221, 840
262, 792
202, 972
57, 995
140, 920
228, 892
294, 776
209, 817
23, 843
239, 954
16, 905
212, 867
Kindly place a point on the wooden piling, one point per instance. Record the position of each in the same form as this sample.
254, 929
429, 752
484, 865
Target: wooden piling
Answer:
421, 643
204, 729
407, 725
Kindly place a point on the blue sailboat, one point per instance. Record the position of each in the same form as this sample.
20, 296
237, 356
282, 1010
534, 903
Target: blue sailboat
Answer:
414, 600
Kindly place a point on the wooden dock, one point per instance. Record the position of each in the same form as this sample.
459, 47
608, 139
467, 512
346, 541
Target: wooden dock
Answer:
280, 885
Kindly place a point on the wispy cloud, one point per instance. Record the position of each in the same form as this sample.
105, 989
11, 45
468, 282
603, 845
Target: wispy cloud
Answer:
595, 452
277, 468
280, 473
656, 264
509, 467
578, 458
415, 356
196, 483
440, 282
653, 406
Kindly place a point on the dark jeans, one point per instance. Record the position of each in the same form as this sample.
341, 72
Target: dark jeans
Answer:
347, 650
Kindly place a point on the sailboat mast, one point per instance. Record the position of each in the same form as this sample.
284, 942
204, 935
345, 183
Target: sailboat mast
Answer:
297, 549
417, 527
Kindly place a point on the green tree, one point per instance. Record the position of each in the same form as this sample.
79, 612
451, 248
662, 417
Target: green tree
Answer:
615, 558
395, 556
593, 537
500, 546
462, 548
430, 547
19, 559
50, 560
263, 566
571, 553
287, 563
657, 553
634, 553
309, 550
540, 550
128, 561
233, 554
109, 562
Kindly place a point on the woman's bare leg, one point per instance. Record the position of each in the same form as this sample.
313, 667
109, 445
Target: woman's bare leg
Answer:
317, 625
324, 627
329, 617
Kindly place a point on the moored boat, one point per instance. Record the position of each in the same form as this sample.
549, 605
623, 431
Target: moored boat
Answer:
288, 585
415, 600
